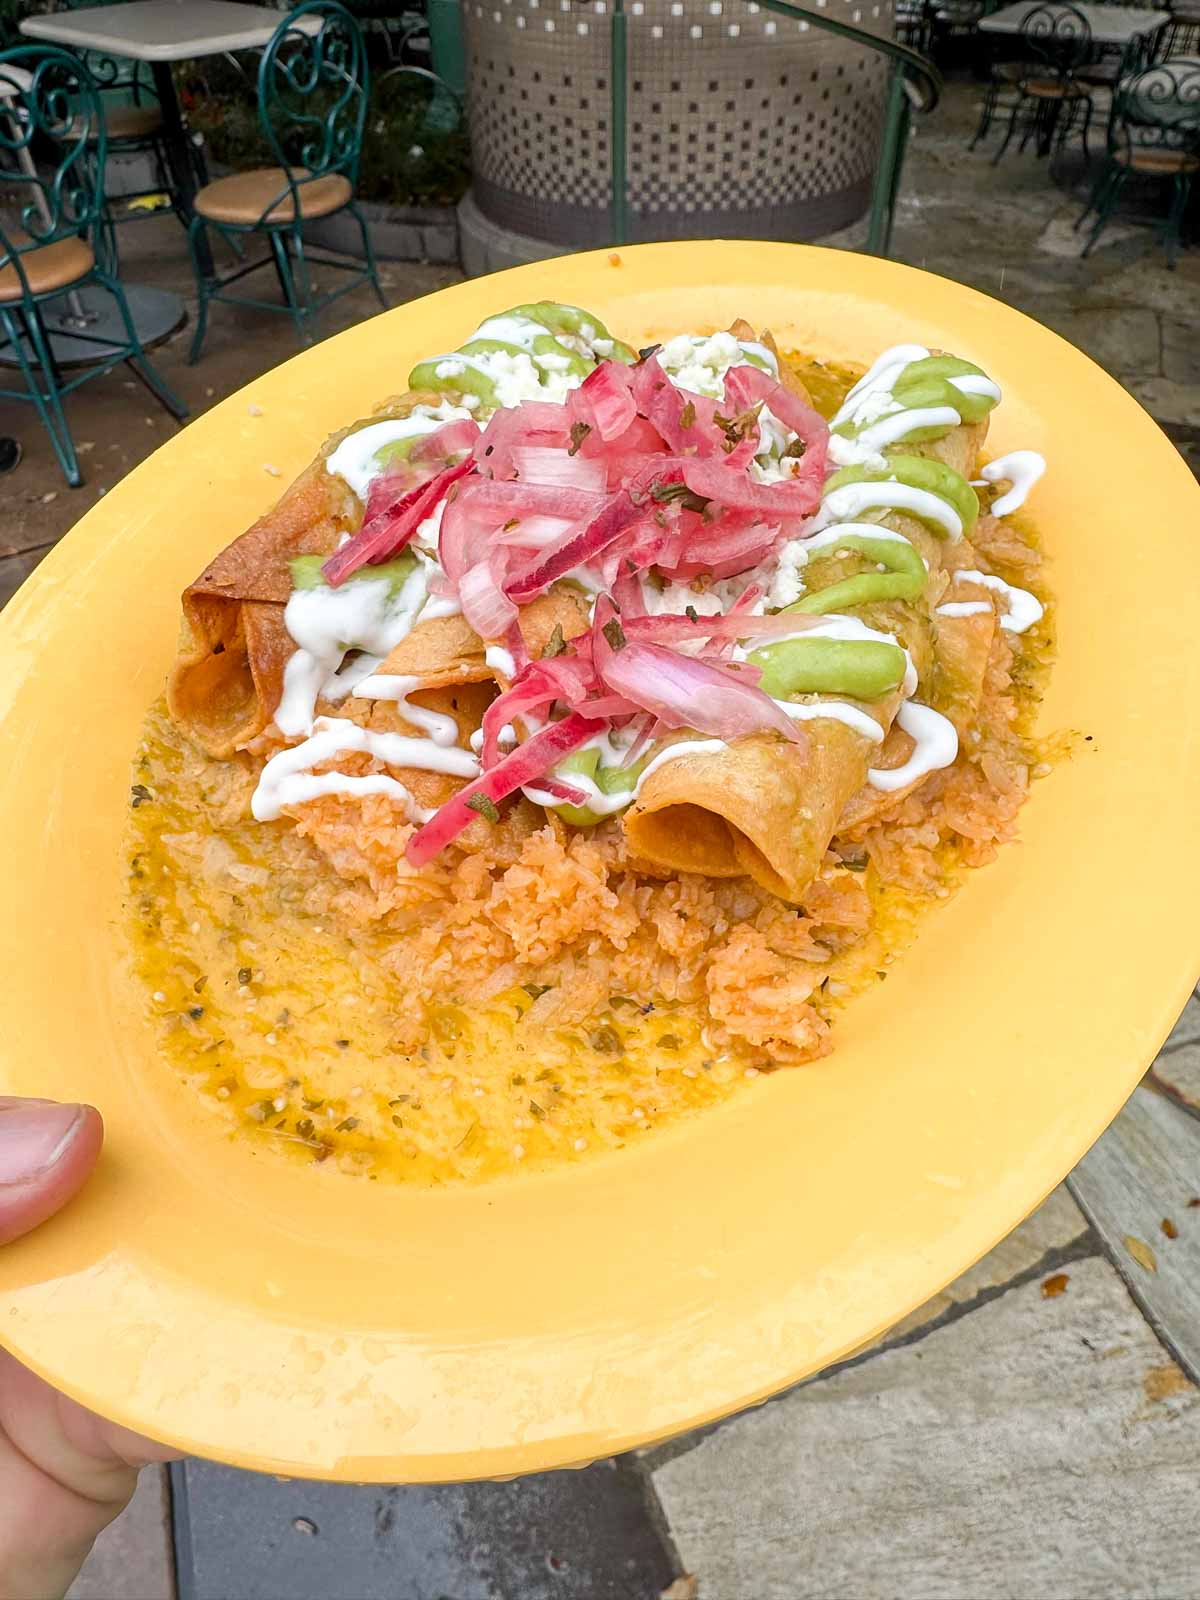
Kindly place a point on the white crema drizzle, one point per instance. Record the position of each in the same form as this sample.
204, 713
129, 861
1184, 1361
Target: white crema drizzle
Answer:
366, 614
288, 778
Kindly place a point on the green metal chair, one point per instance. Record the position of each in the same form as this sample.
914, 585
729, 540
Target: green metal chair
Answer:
133, 123
50, 108
1153, 135
312, 105
1046, 89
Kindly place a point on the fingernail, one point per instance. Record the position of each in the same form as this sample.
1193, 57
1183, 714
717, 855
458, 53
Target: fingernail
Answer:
34, 1134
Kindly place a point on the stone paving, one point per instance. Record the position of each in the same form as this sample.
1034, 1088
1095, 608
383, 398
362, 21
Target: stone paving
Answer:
1035, 1429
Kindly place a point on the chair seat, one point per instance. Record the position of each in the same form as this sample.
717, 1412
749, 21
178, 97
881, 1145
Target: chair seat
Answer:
1165, 163
133, 122
130, 122
243, 196
52, 266
1053, 89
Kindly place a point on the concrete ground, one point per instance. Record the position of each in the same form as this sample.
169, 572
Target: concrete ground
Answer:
1034, 1430
116, 422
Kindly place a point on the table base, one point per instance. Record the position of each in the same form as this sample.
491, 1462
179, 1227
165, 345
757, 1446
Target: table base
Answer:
156, 314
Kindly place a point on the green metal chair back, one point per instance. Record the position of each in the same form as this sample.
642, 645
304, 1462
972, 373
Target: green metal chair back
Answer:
1056, 40
49, 103
1157, 110
312, 94
112, 74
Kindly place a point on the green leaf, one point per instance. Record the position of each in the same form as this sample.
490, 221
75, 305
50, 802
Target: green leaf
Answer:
485, 806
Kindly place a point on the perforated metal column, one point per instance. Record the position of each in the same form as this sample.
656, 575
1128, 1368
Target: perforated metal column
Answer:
739, 122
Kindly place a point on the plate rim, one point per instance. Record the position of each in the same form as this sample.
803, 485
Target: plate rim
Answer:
548, 1453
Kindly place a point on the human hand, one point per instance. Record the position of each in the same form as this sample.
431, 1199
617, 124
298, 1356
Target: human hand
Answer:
64, 1472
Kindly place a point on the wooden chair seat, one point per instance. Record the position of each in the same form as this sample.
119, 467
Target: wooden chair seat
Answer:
1157, 163
244, 196
129, 122
1053, 89
53, 266
133, 122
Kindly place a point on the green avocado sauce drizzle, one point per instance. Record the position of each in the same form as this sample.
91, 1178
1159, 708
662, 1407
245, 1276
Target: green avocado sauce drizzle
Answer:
548, 351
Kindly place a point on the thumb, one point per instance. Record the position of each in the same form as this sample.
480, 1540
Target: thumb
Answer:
47, 1151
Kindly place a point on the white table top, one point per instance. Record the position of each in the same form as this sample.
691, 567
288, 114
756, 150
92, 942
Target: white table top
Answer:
162, 30
1109, 24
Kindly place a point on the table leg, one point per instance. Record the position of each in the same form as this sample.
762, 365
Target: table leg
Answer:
180, 154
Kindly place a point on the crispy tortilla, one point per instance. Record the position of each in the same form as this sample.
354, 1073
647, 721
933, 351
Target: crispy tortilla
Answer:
761, 807
448, 650
228, 676
769, 808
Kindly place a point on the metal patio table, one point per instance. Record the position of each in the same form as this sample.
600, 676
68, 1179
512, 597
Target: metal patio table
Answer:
1123, 28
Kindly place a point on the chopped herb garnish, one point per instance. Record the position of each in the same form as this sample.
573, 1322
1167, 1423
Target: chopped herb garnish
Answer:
538, 1111
692, 614
397, 1122
244, 975
195, 1012
738, 428
556, 644
607, 1040
347, 1125
305, 1128
400, 1100
312, 1105
796, 449
669, 1041
485, 806
138, 794
614, 633
678, 494
579, 432
342, 1044
650, 350
199, 984
535, 991
517, 1081
687, 417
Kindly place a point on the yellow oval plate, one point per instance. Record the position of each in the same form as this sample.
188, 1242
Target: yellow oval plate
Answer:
308, 1323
